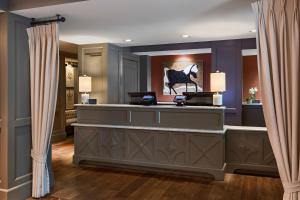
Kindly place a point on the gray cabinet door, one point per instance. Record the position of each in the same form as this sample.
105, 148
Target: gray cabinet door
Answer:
131, 77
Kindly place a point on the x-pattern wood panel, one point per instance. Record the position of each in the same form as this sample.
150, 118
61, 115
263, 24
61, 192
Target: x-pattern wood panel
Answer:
111, 143
140, 146
244, 148
203, 152
86, 141
174, 150
171, 148
268, 155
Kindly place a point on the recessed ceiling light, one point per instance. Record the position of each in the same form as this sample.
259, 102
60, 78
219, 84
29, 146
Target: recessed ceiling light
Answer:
253, 31
185, 36
128, 40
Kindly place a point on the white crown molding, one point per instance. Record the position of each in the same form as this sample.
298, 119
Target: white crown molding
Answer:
249, 52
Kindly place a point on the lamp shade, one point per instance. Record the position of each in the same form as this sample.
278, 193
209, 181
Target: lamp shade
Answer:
217, 82
85, 84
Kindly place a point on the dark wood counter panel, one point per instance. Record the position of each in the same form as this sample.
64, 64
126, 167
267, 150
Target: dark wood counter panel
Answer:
249, 148
252, 115
185, 140
188, 140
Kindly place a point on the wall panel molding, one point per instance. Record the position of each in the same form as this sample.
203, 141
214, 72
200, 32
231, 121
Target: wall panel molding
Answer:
26, 176
15, 137
19, 125
22, 122
3, 99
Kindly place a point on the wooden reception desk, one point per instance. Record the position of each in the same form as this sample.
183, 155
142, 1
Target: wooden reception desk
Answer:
187, 140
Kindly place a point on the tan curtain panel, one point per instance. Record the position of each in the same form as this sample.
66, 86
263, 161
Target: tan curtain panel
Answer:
278, 57
44, 72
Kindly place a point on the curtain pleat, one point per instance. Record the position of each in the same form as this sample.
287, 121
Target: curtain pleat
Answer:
44, 75
278, 58
295, 97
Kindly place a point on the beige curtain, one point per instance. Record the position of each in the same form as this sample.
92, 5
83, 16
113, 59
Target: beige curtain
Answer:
278, 57
44, 69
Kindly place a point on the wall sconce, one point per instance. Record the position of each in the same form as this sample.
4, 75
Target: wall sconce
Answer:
85, 86
217, 84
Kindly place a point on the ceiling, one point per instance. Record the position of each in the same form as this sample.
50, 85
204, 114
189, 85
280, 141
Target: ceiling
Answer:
149, 22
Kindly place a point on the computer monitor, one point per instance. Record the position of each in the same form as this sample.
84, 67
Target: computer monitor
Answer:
142, 98
199, 98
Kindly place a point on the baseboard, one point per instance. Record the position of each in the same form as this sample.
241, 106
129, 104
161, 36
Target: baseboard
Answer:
251, 169
217, 173
20, 192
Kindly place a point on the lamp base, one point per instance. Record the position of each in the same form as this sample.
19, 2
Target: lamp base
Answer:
217, 99
85, 98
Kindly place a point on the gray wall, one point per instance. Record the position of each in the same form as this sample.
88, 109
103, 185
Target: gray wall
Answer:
105, 71
145, 73
15, 135
130, 76
113, 68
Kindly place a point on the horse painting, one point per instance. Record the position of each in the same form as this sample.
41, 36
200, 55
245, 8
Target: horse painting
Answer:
173, 77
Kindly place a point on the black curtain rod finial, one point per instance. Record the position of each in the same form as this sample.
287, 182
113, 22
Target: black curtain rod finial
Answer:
60, 18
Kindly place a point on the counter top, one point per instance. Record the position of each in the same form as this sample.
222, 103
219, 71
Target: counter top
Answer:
151, 106
245, 128
151, 128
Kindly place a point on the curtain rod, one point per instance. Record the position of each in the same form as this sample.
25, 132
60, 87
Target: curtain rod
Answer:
58, 19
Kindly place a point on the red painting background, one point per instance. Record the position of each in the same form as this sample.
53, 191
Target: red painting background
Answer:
157, 72
250, 76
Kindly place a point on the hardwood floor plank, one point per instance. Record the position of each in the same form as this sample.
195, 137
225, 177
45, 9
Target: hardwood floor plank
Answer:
133, 186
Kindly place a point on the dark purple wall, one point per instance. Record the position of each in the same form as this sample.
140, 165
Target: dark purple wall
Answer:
3, 4
249, 43
226, 57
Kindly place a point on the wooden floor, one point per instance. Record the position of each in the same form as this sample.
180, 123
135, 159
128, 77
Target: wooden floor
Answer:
88, 183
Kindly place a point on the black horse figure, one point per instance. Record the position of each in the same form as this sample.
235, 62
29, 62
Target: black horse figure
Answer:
173, 77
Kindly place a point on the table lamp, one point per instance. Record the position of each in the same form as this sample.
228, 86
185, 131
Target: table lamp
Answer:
217, 84
85, 86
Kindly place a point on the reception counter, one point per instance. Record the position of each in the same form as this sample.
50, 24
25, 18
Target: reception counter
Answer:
191, 118
170, 139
